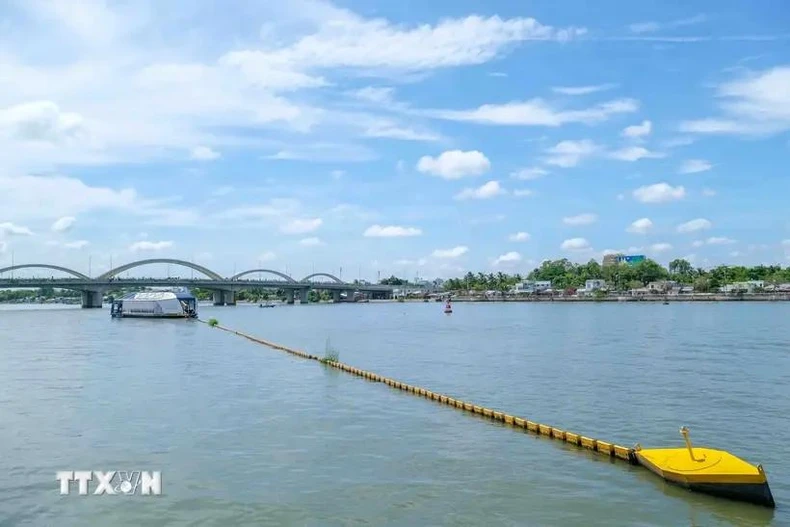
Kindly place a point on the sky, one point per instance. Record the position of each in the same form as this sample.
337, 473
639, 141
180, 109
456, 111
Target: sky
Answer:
411, 138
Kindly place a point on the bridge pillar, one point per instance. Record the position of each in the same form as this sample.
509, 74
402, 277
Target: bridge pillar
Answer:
230, 298
336, 295
304, 296
224, 298
289, 296
91, 299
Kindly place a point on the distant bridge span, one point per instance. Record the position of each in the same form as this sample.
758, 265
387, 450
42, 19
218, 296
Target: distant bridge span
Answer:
184, 263
72, 272
327, 275
269, 271
224, 289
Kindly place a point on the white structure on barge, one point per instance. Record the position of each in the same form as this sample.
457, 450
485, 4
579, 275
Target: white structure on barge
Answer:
155, 304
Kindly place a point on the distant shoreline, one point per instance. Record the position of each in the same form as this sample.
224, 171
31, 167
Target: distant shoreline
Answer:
759, 297
651, 299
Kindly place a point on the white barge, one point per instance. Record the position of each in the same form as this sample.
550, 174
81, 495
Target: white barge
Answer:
155, 304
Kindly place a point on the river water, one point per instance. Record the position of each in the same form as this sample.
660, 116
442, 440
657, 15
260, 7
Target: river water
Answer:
245, 435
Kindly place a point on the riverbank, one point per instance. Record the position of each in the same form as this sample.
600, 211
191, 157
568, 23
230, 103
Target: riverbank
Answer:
591, 299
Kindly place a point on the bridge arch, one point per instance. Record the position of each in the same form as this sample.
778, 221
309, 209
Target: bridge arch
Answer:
327, 275
199, 268
72, 272
269, 271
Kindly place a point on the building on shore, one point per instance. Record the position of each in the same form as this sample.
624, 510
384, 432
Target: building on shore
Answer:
591, 286
750, 286
531, 287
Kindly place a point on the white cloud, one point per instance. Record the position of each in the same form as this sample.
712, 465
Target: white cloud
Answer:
150, 246
123, 74
311, 242
486, 191
708, 192
570, 153
634, 153
14, 230
64, 224
580, 219
658, 248
652, 27
693, 166
301, 226
523, 193
375, 94
640, 226
21, 196
455, 164
575, 244
391, 231
537, 112
347, 40
322, 152
519, 237
79, 244
676, 142
711, 126
699, 224
267, 256
388, 130
719, 240
582, 90
757, 103
526, 174
204, 153
659, 193
638, 130
40, 122
455, 252
337, 174
506, 258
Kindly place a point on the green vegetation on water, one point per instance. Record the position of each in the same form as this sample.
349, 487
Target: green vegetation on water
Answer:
330, 354
213, 322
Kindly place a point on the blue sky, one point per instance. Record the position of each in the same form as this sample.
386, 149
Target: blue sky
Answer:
404, 138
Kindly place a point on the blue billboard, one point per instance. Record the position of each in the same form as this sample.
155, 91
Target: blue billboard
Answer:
630, 259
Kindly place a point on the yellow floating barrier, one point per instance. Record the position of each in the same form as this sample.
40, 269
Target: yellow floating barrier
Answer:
705, 470
709, 471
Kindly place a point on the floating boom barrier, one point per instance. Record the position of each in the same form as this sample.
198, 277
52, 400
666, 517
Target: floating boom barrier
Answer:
704, 470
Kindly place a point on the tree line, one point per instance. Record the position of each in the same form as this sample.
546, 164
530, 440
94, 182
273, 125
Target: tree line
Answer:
565, 274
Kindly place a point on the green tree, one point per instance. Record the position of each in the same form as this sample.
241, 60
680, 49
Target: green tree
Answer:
681, 270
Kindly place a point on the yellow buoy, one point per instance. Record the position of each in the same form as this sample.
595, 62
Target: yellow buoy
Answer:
709, 471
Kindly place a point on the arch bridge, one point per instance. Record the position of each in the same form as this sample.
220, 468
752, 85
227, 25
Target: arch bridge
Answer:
332, 277
224, 289
66, 270
139, 263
